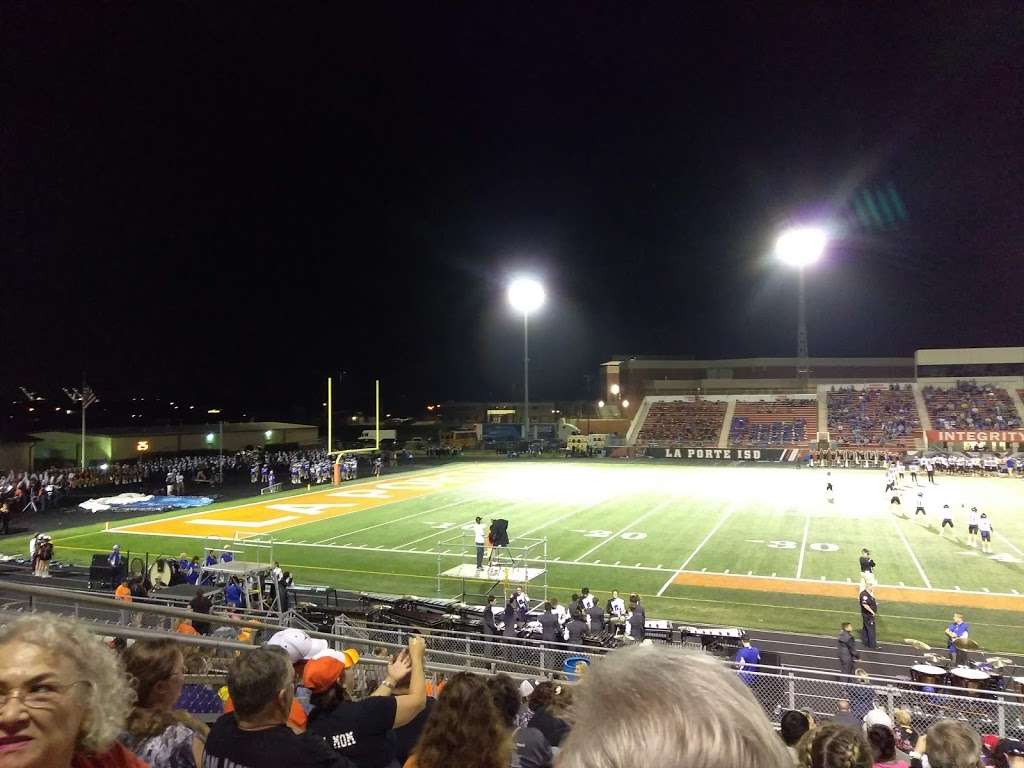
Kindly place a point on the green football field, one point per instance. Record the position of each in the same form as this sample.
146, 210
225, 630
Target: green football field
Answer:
752, 546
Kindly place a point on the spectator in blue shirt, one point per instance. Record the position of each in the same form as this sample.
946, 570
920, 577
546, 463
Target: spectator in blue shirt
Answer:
226, 557
747, 659
233, 593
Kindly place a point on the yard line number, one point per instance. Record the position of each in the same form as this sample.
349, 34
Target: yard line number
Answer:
818, 546
599, 534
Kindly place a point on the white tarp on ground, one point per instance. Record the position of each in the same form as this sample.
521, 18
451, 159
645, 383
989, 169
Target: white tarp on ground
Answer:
143, 502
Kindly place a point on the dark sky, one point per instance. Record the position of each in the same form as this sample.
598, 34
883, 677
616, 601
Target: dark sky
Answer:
228, 201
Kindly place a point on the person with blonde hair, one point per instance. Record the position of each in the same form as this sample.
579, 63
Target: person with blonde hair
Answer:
156, 732
667, 706
64, 697
949, 744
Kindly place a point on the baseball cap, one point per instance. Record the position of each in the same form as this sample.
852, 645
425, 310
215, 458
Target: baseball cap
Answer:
299, 645
326, 669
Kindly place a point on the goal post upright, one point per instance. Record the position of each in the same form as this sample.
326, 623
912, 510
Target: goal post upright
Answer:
330, 430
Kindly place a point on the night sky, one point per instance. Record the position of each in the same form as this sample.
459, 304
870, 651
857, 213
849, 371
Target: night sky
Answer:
221, 203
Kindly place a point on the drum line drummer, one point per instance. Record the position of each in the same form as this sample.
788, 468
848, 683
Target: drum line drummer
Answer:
957, 630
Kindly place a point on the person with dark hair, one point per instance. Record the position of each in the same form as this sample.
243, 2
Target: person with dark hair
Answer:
595, 615
549, 702
748, 657
792, 727
489, 627
1009, 753
201, 604
531, 747
846, 648
256, 735
637, 618
883, 747
361, 730
576, 628
233, 593
549, 629
465, 729
835, 745
479, 540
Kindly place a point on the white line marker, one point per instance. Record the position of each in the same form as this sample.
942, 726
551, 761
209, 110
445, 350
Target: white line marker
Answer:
703, 570
822, 578
803, 545
913, 557
750, 573
726, 570
332, 539
637, 565
556, 557
1015, 591
597, 562
902, 584
454, 529
725, 516
984, 589
773, 574
956, 588
659, 565
617, 562
848, 580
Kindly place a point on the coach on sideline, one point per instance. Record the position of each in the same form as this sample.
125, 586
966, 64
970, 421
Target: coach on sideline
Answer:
629, 712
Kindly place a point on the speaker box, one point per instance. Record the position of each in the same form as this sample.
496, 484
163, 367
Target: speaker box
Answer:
101, 573
771, 659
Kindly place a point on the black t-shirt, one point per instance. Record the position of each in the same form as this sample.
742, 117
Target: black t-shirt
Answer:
228, 746
407, 736
359, 730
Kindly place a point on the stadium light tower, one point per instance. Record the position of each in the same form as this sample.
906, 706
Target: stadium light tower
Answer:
526, 295
800, 247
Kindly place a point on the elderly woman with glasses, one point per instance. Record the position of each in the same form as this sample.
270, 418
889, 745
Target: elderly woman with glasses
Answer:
63, 697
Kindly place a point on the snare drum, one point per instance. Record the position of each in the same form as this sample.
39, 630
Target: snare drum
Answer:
970, 679
928, 674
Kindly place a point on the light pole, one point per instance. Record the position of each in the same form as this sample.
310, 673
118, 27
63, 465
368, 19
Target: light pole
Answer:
526, 295
801, 247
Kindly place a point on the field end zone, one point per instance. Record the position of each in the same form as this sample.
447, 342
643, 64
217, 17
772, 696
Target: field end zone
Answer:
952, 598
260, 518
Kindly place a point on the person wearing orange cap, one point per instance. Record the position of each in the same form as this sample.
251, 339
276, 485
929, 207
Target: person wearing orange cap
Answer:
360, 730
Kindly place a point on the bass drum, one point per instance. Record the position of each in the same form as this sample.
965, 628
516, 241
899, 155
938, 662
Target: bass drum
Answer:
971, 680
929, 674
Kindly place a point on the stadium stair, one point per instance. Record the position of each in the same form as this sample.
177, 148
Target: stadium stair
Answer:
723, 436
1017, 402
922, 409
638, 421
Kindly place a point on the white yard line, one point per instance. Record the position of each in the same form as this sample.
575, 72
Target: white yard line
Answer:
394, 519
451, 529
803, 545
1009, 543
913, 557
615, 536
725, 516
563, 517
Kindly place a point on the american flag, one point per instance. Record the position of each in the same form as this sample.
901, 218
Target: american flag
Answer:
88, 397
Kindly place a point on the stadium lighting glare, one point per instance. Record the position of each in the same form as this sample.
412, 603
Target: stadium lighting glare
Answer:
213, 410
600, 403
526, 295
801, 246
104, 467
625, 403
209, 437
268, 434
614, 389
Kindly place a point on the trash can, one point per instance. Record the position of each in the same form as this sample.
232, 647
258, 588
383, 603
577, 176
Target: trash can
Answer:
571, 664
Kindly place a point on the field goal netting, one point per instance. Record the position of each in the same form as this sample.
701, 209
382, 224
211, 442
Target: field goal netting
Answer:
504, 568
271, 489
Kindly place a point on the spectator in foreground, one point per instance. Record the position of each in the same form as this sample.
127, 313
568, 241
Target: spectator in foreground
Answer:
643, 706
156, 732
531, 749
63, 697
948, 744
464, 730
550, 702
835, 745
255, 735
361, 730
1009, 753
844, 716
883, 747
792, 727
903, 729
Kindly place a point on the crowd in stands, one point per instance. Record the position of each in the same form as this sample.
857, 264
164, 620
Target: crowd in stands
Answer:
683, 422
68, 700
969, 405
873, 416
768, 423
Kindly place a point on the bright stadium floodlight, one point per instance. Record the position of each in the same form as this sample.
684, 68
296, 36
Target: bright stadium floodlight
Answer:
801, 247
526, 295
625, 403
600, 403
614, 389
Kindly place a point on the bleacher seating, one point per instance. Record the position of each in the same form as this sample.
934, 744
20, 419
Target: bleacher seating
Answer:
774, 423
684, 422
970, 405
874, 416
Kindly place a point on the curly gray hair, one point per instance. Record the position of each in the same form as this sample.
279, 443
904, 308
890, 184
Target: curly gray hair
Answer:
109, 697
664, 706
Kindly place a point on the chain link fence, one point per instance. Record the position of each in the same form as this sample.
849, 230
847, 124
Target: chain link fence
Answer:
992, 711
